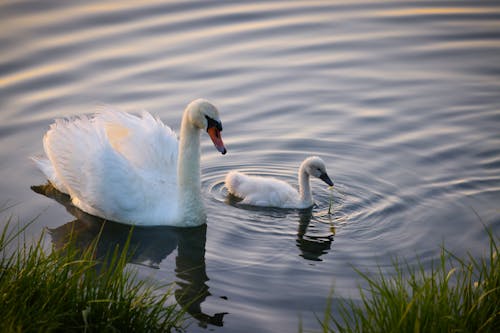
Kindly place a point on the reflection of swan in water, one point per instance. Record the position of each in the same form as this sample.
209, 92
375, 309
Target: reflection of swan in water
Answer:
312, 247
148, 246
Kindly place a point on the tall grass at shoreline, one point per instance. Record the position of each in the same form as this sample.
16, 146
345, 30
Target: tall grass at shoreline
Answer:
70, 290
456, 295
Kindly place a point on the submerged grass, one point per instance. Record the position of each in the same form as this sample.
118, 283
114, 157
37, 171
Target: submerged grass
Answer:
70, 290
456, 295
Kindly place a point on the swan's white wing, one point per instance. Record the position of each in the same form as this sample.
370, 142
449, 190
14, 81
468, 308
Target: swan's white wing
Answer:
112, 169
145, 141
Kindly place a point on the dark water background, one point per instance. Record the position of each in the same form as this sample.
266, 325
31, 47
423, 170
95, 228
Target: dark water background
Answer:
401, 99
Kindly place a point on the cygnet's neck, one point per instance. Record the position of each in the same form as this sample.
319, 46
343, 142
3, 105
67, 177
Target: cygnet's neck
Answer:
305, 193
188, 171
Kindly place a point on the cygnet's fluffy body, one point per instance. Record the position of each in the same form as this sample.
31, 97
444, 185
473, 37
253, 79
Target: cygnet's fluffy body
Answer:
272, 192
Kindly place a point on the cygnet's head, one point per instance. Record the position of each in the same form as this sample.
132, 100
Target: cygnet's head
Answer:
315, 167
204, 115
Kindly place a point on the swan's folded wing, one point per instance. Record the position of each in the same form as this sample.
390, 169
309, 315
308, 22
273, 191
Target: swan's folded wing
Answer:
99, 179
144, 141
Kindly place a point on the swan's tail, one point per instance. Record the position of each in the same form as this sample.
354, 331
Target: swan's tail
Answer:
44, 165
233, 181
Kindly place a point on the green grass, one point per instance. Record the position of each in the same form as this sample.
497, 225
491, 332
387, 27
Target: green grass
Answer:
455, 295
69, 290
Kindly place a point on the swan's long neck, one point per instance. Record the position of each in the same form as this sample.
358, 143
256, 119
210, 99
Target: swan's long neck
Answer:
305, 193
188, 171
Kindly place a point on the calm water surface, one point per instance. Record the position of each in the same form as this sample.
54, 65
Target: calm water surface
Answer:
401, 99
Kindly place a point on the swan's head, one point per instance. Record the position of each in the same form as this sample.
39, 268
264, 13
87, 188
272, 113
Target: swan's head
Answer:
315, 167
204, 115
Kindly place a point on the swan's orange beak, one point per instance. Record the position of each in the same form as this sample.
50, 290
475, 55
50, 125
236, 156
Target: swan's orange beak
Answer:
214, 134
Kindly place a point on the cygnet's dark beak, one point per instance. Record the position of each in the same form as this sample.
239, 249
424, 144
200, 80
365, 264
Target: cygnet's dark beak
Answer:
324, 177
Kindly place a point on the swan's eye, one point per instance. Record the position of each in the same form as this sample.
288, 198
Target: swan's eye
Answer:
213, 123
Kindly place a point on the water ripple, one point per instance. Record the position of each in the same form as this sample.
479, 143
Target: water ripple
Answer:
399, 98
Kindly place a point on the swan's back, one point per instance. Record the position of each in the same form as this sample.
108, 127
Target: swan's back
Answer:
146, 142
115, 165
260, 191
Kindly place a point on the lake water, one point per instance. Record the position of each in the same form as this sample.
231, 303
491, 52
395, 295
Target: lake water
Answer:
400, 98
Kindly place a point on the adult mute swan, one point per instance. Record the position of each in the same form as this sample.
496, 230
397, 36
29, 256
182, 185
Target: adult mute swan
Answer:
272, 192
127, 168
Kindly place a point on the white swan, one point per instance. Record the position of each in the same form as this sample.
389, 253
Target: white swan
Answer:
125, 168
272, 192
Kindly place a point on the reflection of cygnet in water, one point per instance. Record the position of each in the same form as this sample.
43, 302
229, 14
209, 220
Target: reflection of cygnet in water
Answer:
312, 247
148, 246
272, 192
